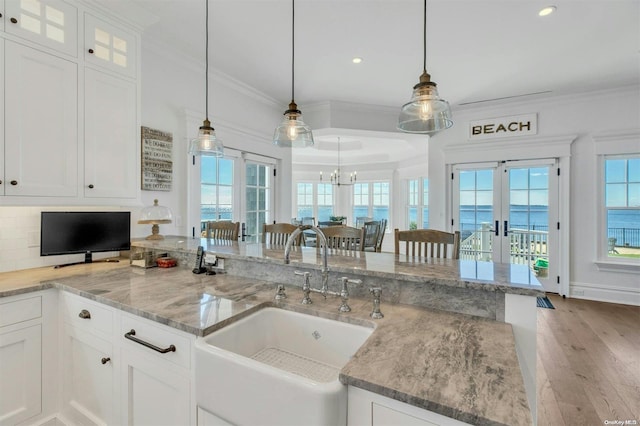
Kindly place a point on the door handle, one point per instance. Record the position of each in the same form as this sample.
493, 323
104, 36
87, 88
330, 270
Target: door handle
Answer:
506, 228
244, 231
497, 229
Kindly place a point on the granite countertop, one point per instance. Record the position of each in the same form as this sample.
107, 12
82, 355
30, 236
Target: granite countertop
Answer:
460, 366
489, 276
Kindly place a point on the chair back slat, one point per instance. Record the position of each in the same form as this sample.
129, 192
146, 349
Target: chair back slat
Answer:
278, 233
428, 243
223, 230
344, 238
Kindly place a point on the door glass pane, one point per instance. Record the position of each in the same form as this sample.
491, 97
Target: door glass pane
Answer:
529, 217
257, 193
216, 197
476, 214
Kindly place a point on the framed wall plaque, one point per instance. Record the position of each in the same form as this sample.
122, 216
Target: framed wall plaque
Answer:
157, 160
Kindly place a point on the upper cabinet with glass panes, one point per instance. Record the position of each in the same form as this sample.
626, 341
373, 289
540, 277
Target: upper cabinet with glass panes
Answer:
50, 23
109, 47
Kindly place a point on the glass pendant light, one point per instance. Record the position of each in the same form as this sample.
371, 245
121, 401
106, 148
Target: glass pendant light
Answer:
206, 143
292, 132
425, 113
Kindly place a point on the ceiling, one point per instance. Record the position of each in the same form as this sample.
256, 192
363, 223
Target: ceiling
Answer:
477, 50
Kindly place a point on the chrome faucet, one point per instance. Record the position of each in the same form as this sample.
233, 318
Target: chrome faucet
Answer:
323, 241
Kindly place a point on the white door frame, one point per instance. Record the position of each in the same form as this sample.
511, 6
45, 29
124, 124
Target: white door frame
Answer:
530, 147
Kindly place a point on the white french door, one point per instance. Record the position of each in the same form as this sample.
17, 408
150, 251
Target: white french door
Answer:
259, 195
507, 212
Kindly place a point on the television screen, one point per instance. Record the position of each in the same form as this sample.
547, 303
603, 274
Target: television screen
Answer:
84, 232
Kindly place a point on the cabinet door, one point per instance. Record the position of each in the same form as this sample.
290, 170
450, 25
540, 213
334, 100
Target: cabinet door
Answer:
20, 374
109, 47
50, 23
111, 137
88, 379
154, 392
41, 123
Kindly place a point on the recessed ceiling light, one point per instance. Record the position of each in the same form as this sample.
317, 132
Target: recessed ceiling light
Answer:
547, 11
356, 60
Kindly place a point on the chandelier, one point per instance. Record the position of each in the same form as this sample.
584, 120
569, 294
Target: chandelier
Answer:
335, 176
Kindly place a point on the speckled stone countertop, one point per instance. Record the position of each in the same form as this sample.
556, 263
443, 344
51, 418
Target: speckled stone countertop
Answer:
460, 366
488, 276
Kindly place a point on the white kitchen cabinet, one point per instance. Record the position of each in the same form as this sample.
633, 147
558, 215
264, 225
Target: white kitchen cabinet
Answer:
40, 122
110, 47
156, 388
71, 122
89, 368
111, 136
370, 409
49, 23
89, 391
20, 359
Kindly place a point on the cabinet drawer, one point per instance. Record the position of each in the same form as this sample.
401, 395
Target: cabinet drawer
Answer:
158, 335
20, 310
82, 312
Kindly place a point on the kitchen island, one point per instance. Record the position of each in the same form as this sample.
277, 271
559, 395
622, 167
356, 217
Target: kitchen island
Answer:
458, 365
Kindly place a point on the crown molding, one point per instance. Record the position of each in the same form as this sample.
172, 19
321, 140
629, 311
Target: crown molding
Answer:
183, 60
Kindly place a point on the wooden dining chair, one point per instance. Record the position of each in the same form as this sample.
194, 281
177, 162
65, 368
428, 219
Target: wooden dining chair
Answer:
278, 233
428, 243
360, 220
344, 238
371, 231
223, 230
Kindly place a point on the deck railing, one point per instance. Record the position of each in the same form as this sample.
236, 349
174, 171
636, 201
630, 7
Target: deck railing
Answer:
526, 246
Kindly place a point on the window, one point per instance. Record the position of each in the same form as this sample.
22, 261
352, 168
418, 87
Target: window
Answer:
325, 201
622, 205
216, 189
418, 203
314, 200
371, 199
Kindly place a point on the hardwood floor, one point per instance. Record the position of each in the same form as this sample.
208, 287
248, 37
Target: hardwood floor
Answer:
588, 363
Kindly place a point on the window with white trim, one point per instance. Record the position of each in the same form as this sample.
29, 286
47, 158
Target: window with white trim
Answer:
371, 199
418, 203
314, 200
622, 206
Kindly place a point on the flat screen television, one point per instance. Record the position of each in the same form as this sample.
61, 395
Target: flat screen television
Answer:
84, 232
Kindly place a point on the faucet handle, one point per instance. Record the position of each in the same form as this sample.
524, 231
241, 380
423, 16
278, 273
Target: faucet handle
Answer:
344, 294
306, 287
377, 292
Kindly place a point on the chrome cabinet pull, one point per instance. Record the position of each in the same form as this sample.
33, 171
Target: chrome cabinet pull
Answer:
84, 314
130, 335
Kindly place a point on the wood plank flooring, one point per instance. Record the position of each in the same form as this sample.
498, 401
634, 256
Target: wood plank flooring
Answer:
588, 363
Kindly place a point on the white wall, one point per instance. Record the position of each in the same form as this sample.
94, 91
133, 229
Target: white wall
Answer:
585, 116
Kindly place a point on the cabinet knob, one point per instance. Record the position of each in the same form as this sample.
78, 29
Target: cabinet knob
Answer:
0, 15
13, 20
84, 314
90, 186
90, 51
0, 182
14, 182
105, 360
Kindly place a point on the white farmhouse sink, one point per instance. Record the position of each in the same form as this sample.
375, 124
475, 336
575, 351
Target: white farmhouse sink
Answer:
276, 367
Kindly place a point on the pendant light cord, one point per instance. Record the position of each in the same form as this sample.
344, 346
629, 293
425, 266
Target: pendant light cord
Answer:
424, 40
293, 55
206, 60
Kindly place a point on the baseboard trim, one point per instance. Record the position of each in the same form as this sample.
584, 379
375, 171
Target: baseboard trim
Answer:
609, 294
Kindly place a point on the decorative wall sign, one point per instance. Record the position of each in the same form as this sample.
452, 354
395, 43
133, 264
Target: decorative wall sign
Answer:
157, 160
504, 127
